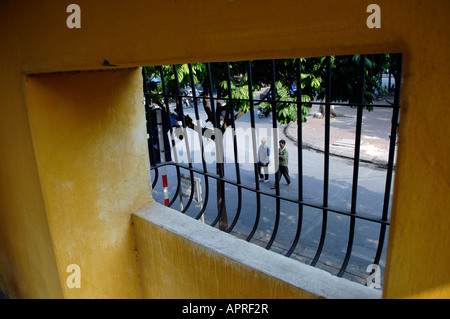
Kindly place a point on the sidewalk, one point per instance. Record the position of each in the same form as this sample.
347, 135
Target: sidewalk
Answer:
376, 129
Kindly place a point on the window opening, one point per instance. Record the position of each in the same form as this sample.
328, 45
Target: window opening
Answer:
338, 116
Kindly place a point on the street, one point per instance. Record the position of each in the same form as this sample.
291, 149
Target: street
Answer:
370, 196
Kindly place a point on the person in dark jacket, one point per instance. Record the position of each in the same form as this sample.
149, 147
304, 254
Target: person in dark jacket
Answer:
283, 156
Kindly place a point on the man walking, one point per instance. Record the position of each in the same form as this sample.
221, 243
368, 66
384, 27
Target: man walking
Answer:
283, 156
263, 160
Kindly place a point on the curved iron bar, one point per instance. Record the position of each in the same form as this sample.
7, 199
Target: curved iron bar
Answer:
255, 155
177, 191
356, 157
219, 166
155, 178
179, 108
235, 150
299, 155
394, 126
205, 203
361, 215
167, 109
277, 163
148, 125
200, 138
213, 112
221, 208
326, 162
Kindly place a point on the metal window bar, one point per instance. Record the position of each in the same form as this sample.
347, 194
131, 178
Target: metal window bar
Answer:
255, 161
205, 170
326, 168
275, 142
355, 166
219, 175
180, 109
166, 103
390, 169
300, 157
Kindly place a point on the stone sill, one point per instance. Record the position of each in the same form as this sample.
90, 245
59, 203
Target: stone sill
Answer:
304, 277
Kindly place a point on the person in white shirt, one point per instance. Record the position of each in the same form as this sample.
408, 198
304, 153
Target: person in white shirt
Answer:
263, 160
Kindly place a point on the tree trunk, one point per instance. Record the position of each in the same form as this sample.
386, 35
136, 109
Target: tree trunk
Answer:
223, 221
220, 170
221, 202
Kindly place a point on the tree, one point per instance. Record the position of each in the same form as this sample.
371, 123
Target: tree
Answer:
346, 79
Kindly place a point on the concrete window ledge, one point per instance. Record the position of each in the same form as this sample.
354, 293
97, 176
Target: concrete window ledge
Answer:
315, 282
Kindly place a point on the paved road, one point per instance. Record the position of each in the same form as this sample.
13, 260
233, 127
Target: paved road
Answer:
371, 185
375, 134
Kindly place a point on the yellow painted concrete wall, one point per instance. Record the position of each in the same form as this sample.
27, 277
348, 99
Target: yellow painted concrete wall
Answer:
34, 215
171, 266
180, 257
89, 136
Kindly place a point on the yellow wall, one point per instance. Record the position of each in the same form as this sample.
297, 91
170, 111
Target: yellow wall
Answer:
89, 136
47, 121
171, 266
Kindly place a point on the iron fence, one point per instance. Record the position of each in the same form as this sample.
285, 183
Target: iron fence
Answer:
215, 186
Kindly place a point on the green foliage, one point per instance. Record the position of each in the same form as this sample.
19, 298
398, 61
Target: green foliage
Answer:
345, 81
345, 77
239, 93
183, 76
286, 106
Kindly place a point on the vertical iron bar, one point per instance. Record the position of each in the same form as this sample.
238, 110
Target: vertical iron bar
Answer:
394, 124
277, 162
211, 94
166, 103
326, 161
255, 155
300, 156
149, 127
215, 127
356, 157
235, 150
200, 139
252, 123
183, 120
179, 108
219, 152
197, 115
233, 125
213, 109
